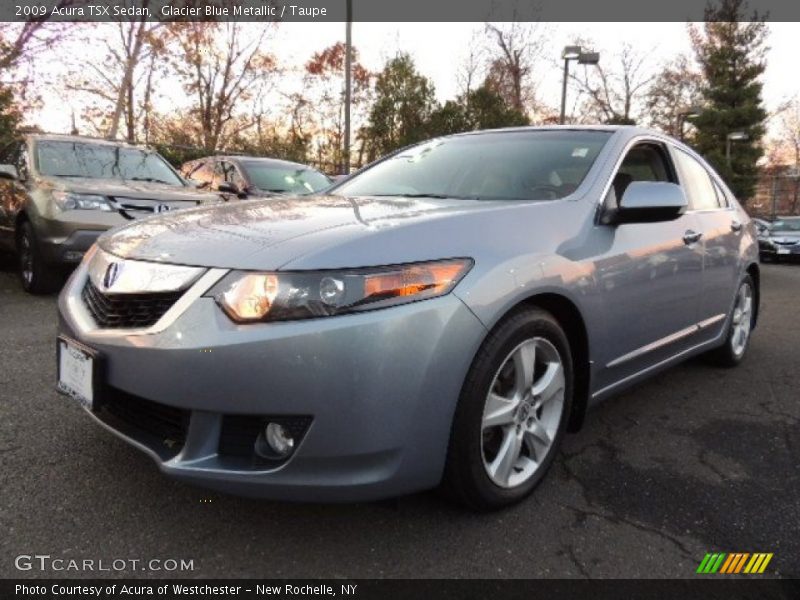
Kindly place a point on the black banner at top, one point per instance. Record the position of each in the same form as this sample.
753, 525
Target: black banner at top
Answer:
310, 11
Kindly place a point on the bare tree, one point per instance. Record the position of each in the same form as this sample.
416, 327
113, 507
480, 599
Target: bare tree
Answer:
472, 70
786, 148
222, 66
513, 53
120, 84
611, 92
671, 94
133, 37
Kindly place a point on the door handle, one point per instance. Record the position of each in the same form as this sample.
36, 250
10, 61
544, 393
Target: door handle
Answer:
736, 226
691, 237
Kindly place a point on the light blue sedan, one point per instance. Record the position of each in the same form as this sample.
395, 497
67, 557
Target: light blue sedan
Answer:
443, 316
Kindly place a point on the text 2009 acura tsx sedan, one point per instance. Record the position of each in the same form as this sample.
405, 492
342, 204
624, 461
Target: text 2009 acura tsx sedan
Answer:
445, 315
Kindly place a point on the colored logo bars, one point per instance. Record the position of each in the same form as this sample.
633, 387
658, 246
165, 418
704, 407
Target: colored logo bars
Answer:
735, 562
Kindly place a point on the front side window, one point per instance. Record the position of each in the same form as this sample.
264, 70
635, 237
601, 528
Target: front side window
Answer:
521, 165
644, 162
102, 161
696, 182
231, 175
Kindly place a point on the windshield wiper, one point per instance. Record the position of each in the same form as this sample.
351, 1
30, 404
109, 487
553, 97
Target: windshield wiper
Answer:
149, 180
434, 196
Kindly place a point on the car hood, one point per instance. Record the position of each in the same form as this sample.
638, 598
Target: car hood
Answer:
305, 233
125, 188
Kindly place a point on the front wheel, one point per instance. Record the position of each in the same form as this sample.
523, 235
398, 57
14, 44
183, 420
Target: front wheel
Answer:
512, 412
740, 325
36, 276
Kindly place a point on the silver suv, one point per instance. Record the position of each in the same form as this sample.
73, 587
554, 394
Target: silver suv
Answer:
61, 192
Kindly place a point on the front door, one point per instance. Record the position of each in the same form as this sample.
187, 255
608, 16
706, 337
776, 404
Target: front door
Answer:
650, 278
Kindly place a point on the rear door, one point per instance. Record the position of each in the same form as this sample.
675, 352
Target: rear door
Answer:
721, 230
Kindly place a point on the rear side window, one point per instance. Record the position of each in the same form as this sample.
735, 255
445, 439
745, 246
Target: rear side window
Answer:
697, 183
722, 197
203, 173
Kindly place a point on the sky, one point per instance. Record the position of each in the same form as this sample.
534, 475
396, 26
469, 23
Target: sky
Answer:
440, 48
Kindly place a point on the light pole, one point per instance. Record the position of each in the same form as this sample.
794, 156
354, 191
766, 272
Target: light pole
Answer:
734, 136
583, 58
348, 60
684, 115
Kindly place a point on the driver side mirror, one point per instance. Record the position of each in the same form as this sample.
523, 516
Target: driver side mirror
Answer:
651, 202
227, 188
9, 172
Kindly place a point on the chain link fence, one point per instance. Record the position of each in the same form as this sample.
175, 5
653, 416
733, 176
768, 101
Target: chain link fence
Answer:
776, 195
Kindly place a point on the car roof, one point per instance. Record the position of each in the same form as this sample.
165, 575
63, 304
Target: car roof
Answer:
61, 137
628, 131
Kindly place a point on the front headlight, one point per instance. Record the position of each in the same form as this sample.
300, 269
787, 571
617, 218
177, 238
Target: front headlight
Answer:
248, 297
72, 201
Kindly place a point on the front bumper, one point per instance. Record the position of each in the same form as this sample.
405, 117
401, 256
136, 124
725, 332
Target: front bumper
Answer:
380, 387
779, 250
65, 238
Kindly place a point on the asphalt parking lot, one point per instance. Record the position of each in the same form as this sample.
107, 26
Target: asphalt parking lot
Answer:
697, 460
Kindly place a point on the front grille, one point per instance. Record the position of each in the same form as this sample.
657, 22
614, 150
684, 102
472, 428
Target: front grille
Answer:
165, 426
126, 311
137, 208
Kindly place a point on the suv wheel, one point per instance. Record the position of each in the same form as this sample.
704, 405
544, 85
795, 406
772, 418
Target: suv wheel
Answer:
512, 412
36, 276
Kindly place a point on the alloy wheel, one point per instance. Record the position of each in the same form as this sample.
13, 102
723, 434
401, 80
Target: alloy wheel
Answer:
742, 319
522, 412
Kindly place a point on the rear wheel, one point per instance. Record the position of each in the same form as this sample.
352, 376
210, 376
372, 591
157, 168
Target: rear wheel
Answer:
740, 324
512, 412
36, 276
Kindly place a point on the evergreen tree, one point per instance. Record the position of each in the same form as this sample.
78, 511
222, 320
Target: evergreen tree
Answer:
730, 53
404, 101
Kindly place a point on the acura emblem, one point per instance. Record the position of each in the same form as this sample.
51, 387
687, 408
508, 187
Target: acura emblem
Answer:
162, 208
112, 273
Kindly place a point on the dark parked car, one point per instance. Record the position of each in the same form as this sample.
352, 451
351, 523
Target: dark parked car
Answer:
780, 240
61, 192
444, 315
247, 176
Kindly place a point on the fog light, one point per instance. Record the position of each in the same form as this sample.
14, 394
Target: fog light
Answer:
279, 440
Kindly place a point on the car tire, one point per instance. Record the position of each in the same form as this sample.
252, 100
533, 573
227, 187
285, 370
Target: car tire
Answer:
36, 276
476, 472
740, 325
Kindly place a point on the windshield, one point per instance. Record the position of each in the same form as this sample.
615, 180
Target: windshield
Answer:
285, 179
102, 161
521, 165
786, 225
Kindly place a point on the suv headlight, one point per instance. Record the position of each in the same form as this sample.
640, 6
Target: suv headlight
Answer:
72, 201
248, 297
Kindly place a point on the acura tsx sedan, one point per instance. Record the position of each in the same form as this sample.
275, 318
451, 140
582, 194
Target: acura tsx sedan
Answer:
443, 316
